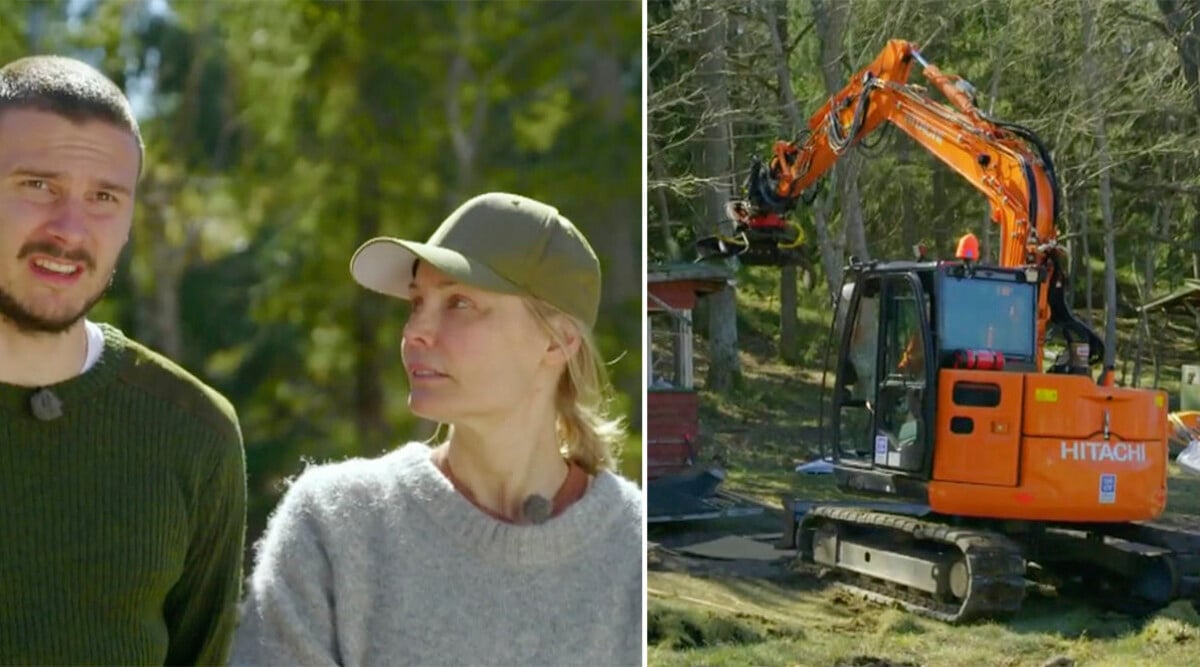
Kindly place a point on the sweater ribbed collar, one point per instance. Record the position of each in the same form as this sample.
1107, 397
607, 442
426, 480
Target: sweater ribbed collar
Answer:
15, 399
550, 543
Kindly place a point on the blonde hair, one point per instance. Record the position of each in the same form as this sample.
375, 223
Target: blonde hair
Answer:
591, 435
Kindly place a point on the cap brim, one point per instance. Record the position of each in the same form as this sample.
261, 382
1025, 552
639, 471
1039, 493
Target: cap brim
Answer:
385, 265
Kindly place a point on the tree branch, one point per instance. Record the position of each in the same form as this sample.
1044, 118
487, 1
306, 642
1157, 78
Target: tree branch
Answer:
800, 34
1172, 188
1157, 24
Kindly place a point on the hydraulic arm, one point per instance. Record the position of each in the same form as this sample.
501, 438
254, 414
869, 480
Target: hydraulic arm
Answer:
1006, 162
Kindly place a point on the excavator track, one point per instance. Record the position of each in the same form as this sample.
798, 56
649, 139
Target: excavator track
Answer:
943, 572
1171, 548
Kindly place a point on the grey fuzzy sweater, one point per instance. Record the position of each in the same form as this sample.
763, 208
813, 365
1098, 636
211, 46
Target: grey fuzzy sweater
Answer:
382, 562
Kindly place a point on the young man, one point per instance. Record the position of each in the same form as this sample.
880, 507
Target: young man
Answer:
122, 483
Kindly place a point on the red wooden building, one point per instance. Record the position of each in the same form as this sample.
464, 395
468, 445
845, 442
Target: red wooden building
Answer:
672, 405
680, 487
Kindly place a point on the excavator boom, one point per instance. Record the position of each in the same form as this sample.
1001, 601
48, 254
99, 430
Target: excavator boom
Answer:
1005, 162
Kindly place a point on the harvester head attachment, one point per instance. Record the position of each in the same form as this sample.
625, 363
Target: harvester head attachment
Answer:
759, 239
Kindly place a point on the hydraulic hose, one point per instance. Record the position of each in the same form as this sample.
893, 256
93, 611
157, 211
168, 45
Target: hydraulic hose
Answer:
1043, 153
837, 140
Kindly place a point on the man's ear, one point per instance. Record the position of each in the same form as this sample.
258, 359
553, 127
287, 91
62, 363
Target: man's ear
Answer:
564, 342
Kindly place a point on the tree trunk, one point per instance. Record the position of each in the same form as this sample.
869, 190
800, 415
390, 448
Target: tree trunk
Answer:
831, 18
941, 225
1196, 252
1139, 339
852, 209
1183, 19
160, 318
910, 227
466, 130
169, 259
658, 172
789, 349
724, 367
621, 245
1160, 226
369, 423
989, 227
831, 250
1083, 212
1105, 165
774, 12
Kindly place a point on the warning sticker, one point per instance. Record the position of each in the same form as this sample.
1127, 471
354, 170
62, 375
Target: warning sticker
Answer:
1108, 489
1043, 395
881, 449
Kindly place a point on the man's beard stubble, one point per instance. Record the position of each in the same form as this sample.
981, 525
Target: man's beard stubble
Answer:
29, 323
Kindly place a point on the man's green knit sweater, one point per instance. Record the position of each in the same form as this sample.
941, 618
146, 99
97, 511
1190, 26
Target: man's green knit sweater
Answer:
122, 521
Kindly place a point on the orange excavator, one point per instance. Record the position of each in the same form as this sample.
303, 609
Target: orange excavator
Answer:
993, 470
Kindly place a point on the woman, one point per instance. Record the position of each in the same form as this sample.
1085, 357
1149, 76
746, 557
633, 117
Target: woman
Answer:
511, 542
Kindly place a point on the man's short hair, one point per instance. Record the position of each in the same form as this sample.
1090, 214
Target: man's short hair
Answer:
66, 87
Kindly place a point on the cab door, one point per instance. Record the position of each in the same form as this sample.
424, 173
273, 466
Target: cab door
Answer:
855, 395
901, 435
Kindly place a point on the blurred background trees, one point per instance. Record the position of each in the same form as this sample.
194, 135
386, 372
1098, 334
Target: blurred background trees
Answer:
1112, 86
281, 135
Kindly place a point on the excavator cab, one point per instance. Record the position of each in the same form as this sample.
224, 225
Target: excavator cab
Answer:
940, 401
902, 323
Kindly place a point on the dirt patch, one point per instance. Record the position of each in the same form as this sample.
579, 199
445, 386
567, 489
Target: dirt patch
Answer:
678, 629
664, 559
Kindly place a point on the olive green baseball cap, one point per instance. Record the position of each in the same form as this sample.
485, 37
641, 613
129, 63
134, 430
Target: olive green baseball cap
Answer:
498, 242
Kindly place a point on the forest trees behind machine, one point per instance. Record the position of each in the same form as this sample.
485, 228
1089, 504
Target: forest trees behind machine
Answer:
1112, 88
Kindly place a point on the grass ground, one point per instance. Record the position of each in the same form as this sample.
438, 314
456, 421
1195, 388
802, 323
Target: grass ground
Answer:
706, 612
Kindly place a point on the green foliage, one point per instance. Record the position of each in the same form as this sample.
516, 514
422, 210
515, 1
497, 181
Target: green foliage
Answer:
896, 622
